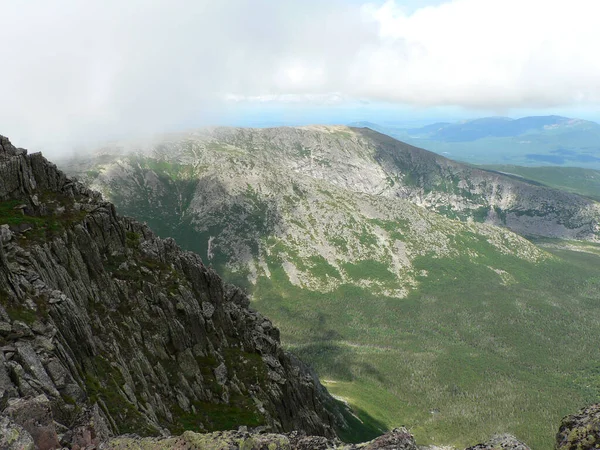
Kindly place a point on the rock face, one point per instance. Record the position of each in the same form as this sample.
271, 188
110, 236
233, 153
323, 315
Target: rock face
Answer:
107, 329
14, 436
580, 431
501, 442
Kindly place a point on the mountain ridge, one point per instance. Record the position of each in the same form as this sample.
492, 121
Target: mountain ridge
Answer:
373, 163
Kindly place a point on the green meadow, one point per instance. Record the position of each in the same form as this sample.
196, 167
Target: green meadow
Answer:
470, 352
571, 179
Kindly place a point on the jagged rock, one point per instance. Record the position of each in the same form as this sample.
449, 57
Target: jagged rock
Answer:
397, 439
35, 416
14, 436
101, 311
501, 442
580, 431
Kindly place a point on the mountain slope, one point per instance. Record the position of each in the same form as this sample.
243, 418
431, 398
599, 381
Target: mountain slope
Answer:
454, 328
365, 161
96, 310
577, 180
552, 140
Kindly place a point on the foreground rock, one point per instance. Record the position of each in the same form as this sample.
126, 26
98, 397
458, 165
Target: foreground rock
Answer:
580, 431
14, 437
106, 329
397, 439
501, 442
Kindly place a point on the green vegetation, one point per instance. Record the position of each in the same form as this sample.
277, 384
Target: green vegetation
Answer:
369, 269
481, 341
240, 410
466, 354
104, 382
39, 227
580, 181
132, 239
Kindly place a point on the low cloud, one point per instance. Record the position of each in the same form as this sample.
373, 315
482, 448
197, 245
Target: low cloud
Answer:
82, 71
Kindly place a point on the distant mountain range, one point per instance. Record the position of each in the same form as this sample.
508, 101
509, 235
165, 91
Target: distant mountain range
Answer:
536, 140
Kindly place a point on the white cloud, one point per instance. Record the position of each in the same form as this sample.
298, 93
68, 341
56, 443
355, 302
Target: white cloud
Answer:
487, 53
91, 70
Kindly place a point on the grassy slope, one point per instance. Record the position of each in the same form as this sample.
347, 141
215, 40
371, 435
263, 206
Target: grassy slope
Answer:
464, 356
572, 179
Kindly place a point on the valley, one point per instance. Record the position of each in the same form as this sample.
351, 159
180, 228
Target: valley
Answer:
577, 180
392, 271
527, 141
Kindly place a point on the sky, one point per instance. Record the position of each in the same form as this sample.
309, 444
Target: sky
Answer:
75, 73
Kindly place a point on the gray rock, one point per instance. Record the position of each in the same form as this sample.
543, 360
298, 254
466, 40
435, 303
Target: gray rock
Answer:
35, 416
501, 442
90, 430
20, 329
397, 439
14, 436
5, 328
30, 361
5, 233
580, 431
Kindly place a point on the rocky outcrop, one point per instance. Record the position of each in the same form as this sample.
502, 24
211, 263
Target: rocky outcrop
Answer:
397, 439
466, 192
256, 201
108, 329
14, 436
501, 442
580, 431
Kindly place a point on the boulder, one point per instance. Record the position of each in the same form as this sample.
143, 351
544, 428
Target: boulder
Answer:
14, 436
35, 416
580, 431
501, 442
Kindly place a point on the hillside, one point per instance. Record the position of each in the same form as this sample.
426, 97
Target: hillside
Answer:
577, 180
527, 141
114, 330
346, 238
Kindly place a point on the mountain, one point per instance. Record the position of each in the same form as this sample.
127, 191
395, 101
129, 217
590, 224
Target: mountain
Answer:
352, 160
472, 130
105, 327
552, 140
585, 182
349, 241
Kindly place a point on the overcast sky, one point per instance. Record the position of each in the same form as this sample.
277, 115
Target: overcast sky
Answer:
75, 71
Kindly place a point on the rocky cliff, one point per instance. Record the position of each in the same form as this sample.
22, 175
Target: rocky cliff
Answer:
365, 161
100, 318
